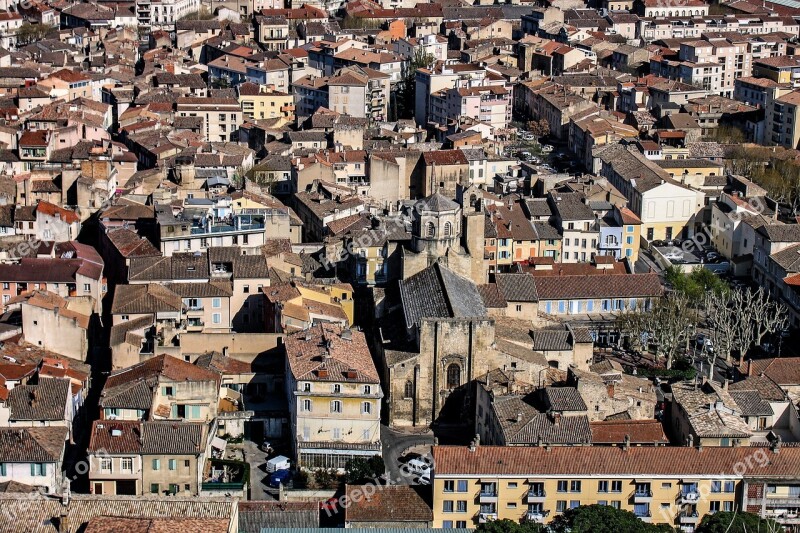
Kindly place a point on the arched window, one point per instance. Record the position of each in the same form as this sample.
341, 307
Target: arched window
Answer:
453, 376
430, 230
472, 199
448, 229
409, 392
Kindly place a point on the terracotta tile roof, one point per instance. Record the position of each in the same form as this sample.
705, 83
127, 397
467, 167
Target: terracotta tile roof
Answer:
146, 298
445, 157
606, 286
784, 371
639, 432
116, 436
764, 385
129, 244
607, 460
166, 366
46, 401
108, 524
325, 353
32, 445
389, 503
66, 215
492, 298
523, 424
173, 437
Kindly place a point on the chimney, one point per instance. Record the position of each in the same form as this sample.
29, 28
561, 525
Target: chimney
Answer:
690, 441
776, 444
725, 384
519, 417
626, 443
610, 389
225, 351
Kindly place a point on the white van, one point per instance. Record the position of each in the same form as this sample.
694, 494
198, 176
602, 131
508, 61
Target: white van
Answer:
278, 463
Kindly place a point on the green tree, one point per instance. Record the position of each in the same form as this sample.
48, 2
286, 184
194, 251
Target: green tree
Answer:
602, 519
734, 522
695, 284
360, 470
407, 89
509, 526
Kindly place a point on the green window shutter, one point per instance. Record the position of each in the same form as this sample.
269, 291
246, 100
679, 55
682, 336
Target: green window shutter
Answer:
172, 464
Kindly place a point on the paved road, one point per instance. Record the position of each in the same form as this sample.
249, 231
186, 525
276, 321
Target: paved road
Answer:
394, 445
258, 477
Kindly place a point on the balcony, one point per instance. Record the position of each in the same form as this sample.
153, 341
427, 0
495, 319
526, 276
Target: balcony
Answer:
643, 496
486, 517
536, 516
644, 516
688, 518
535, 496
689, 497
489, 496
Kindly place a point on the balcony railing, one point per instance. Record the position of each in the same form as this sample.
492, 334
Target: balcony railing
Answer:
536, 516
487, 496
536, 496
688, 518
641, 496
690, 497
486, 517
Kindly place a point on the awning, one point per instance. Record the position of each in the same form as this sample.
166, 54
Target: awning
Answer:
218, 443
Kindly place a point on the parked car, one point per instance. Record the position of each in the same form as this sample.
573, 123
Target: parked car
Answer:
546, 148
528, 136
704, 343
278, 478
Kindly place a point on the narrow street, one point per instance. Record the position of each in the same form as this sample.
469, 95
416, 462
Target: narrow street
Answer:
394, 444
257, 459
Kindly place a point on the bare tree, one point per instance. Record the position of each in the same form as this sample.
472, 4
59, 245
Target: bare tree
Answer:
666, 326
721, 315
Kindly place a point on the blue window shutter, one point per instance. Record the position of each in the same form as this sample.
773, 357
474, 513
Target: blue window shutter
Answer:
590, 305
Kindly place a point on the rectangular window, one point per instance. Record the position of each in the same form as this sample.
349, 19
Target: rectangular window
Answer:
336, 406
461, 506
216, 318
216, 303
462, 485
716, 486
574, 503
154, 488
127, 464
449, 485
173, 464
562, 486
38, 469
561, 506
616, 486
729, 486
447, 524
575, 486
447, 506
106, 464
602, 486
3, 471
156, 464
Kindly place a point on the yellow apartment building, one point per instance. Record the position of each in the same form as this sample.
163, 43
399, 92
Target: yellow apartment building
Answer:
334, 396
668, 485
261, 102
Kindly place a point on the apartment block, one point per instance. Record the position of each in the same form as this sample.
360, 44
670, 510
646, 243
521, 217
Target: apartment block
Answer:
663, 485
